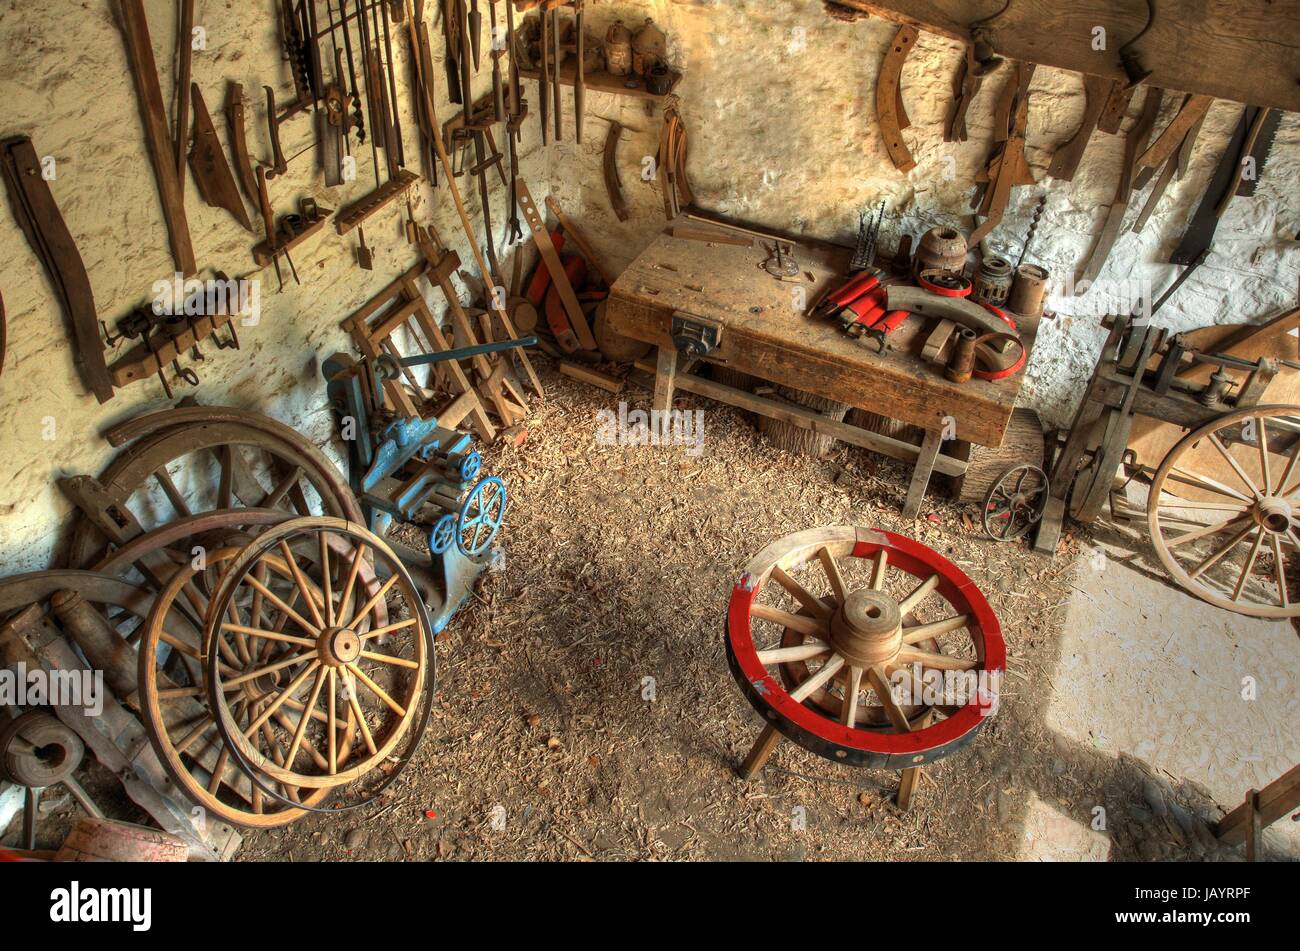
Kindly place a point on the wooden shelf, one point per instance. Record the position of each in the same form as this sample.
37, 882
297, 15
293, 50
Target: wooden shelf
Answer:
602, 81
263, 253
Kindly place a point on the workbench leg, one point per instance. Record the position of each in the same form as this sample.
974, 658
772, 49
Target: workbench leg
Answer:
665, 378
921, 473
759, 752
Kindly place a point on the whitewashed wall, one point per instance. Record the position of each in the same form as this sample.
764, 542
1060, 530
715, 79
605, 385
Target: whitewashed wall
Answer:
779, 102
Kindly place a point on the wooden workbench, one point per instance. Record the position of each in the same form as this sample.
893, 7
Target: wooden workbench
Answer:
766, 334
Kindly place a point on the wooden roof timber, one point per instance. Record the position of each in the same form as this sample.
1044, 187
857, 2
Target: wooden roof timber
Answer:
1242, 50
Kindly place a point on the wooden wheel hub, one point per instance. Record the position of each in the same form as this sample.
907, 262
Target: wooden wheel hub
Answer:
1273, 514
338, 646
868, 628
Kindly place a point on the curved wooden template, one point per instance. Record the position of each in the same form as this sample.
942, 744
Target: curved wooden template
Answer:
889, 101
1191, 113
613, 186
1066, 160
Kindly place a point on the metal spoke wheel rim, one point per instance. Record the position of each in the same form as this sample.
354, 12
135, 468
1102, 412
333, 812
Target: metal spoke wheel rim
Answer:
1227, 540
345, 637
1014, 503
481, 515
861, 637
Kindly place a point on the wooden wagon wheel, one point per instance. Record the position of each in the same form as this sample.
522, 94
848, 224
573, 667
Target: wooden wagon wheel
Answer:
1226, 541
869, 638
183, 471
176, 714
353, 658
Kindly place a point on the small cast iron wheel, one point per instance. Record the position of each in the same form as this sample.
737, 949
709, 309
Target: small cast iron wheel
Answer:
481, 515
1014, 503
1226, 539
337, 632
867, 635
443, 534
183, 471
176, 713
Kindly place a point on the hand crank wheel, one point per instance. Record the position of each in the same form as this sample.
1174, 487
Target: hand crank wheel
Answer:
481, 515
352, 658
1014, 503
868, 638
1226, 539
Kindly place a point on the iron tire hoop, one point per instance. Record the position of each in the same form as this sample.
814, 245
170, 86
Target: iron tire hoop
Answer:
803, 722
482, 508
153, 698
1034, 504
1263, 505
413, 726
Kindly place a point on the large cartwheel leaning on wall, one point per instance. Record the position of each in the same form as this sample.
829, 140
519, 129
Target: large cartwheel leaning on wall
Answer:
851, 674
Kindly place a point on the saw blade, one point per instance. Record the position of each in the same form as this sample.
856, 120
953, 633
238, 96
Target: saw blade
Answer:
1263, 145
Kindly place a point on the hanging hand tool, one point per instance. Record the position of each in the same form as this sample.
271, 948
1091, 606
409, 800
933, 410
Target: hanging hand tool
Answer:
1134, 144
1033, 227
556, 66
474, 23
498, 82
278, 166
357, 119
239, 140
580, 70
395, 114
268, 222
212, 173
185, 55
144, 71
544, 77
515, 103
451, 42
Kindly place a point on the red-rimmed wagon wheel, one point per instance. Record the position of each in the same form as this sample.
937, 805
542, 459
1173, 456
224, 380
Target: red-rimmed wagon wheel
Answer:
362, 656
896, 665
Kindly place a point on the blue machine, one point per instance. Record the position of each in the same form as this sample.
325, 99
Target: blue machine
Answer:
415, 470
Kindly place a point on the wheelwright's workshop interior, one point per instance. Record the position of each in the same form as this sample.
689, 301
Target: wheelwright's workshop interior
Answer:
650, 429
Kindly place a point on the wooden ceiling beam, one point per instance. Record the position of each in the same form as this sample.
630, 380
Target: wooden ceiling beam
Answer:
1243, 50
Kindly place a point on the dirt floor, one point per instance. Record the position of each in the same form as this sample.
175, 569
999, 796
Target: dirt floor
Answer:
585, 709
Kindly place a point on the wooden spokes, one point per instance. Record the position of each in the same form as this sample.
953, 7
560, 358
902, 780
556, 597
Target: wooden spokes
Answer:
1224, 510
851, 643
181, 728
356, 654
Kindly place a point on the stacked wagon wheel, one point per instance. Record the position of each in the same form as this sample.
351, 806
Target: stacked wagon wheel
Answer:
1225, 537
318, 670
853, 656
280, 653
194, 461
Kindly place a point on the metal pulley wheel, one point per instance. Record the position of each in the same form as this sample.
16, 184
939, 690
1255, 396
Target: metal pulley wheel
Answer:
850, 674
357, 665
1014, 503
1226, 537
